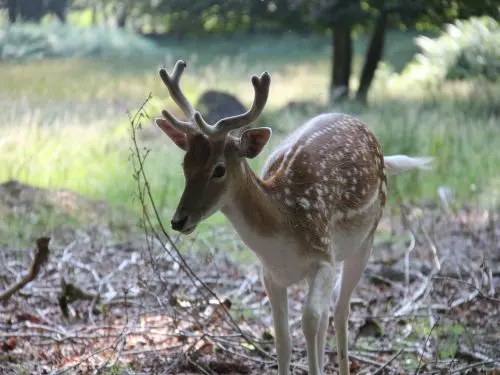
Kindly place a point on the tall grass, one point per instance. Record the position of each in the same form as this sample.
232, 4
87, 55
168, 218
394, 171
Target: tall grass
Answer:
64, 122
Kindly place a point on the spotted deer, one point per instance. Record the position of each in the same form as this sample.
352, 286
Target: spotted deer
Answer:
317, 204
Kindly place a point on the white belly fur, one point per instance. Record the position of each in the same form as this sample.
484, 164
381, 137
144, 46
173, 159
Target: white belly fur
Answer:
279, 256
283, 262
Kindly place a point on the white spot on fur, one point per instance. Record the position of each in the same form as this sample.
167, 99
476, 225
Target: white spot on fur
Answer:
304, 203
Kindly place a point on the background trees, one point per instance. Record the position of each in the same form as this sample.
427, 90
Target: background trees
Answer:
34, 10
339, 18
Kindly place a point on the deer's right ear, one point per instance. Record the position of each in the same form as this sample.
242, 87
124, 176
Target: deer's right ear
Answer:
252, 141
175, 135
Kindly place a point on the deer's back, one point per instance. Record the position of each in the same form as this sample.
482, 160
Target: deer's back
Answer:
329, 173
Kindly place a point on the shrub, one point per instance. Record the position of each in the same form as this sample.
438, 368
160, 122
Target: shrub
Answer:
465, 49
28, 41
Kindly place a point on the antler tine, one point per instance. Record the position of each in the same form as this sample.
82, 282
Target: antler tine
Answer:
223, 126
172, 83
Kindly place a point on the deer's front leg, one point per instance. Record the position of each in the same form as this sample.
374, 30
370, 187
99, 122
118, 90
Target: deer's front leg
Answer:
279, 306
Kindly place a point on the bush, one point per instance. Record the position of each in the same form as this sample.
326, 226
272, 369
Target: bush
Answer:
31, 41
466, 49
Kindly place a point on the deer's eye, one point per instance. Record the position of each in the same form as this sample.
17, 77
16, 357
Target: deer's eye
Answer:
219, 171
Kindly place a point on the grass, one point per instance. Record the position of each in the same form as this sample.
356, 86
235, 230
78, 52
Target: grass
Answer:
64, 122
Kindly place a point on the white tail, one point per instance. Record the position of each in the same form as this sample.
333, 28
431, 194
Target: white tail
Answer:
396, 164
319, 201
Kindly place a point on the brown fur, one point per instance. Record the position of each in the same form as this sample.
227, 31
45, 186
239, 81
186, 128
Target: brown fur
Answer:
330, 178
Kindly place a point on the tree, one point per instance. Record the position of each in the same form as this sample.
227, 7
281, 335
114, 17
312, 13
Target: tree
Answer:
341, 17
341, 24
34, 10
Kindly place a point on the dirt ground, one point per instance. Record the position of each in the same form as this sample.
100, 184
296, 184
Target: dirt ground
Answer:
429, 301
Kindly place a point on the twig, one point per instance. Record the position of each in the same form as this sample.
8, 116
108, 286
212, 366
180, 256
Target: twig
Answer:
407, 262
425, 346
84, 359
41, 255
197, 366
388, 362
407, 307
432, 246
471, 366
254, 359
360, 358
479, 291
146, 191
469, 354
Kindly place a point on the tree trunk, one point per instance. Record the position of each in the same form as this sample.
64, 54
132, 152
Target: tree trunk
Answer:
341, 62
373, 57
254, 12
12, 5
121, 18
31, 10
59, 8
93, 9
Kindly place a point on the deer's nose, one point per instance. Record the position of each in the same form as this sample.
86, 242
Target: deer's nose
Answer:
178, 222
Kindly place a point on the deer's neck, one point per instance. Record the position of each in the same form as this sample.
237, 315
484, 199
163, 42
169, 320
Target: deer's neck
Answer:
252, 209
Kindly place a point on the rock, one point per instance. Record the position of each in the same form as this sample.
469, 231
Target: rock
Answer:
305, 107
214, 105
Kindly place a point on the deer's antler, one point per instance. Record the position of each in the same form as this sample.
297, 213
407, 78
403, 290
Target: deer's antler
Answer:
223, 126
172, 83
196, 122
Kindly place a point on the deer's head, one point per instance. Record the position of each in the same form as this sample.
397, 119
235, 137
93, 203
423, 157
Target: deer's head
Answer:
213, 153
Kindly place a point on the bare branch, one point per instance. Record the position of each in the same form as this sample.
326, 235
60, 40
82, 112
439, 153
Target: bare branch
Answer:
41, 255
425, 346
388, 362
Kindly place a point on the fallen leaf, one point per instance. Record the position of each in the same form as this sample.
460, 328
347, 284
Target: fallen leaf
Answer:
9, 344
28, 317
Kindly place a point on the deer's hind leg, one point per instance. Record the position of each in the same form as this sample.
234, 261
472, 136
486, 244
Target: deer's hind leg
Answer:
315, 315
350, 274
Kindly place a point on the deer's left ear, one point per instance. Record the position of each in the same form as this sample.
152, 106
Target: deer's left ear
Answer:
178, 137
252, 141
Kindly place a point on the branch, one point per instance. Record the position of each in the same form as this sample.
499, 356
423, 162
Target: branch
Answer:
388, 362
146, 196
425, 346
41, 255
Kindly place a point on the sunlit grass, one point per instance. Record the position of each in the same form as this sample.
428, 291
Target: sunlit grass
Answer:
64, 122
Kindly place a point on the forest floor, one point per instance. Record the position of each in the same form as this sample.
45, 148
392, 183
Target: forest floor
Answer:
429, 300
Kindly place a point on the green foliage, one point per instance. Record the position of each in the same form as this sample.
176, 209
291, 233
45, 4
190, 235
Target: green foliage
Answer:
466, 49
28, 41
448, 336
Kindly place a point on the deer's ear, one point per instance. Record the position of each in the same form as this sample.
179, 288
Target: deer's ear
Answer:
175, 135
252, 141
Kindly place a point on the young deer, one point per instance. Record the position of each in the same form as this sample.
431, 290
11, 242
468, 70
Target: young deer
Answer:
318, 202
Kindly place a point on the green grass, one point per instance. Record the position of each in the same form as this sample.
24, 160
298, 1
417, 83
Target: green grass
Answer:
64, 122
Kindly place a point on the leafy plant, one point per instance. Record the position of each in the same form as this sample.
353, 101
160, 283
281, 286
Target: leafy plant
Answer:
466, 49
29, 41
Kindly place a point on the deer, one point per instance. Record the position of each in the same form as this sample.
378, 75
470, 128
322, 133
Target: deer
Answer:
316, 205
